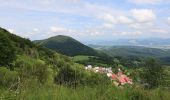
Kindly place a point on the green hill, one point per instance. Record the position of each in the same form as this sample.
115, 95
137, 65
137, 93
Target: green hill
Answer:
135, 51
67, 46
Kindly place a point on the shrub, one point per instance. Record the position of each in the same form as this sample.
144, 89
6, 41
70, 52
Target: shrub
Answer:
68, 76
75, 75
7, 77
153, 73
30, 68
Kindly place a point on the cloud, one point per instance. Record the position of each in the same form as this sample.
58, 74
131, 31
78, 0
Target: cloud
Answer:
159, 30
168, 20
145, 1
108, 18
11, 30
35, 29
124, 20
56, 29
135, 33
107, 25
141, 25
143, 15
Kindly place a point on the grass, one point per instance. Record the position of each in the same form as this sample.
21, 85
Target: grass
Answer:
56, 92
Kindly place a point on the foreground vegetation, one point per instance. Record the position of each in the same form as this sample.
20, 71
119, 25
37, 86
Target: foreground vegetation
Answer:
35, 91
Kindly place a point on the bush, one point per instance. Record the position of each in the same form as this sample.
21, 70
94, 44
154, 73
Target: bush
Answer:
30, 68
153, 73
75, 75
68, 76
92, 79
7, 77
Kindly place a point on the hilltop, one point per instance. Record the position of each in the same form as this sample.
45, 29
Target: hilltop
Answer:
67, 46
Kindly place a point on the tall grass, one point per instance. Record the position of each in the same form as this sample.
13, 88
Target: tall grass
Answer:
100, 92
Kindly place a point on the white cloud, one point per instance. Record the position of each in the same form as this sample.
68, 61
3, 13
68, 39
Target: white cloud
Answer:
35, 29
145, 1
168, 20
141, 25
107, 25
56, 29
143, 15
11, 30
108, 18
124, 20
159, 30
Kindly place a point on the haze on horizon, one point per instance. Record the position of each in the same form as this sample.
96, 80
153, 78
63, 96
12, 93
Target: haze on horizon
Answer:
86, 19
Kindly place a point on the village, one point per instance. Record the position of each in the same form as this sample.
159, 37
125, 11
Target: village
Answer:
119, 79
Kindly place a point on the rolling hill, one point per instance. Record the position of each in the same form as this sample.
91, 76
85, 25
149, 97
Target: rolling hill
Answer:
67, 46
135, 51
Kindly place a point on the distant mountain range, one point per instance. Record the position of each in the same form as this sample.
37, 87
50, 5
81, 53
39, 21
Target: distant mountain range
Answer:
67, 45
133, 42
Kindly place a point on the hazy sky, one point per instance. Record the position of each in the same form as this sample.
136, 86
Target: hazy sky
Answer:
86, 19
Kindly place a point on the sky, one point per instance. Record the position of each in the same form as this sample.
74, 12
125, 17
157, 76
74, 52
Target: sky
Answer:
86, 19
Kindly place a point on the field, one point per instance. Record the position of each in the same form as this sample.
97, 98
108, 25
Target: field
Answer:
81, 58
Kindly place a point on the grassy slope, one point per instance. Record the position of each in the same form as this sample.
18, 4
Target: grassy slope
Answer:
86, 93
81, 58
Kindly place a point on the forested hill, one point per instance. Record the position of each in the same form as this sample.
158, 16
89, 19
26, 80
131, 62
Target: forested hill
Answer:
67, 46
12, 47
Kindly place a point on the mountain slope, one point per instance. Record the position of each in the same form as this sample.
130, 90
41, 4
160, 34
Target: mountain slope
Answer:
24, 47
135, 51
67, 46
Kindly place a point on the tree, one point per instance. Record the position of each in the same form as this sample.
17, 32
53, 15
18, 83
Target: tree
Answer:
153, 73
7, 50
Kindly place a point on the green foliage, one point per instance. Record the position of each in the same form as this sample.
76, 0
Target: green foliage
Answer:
7, 77
30, 68
7, 50
98, 92
92, 79
75, 76
153, 73
104, 61
81, 58
68, 76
